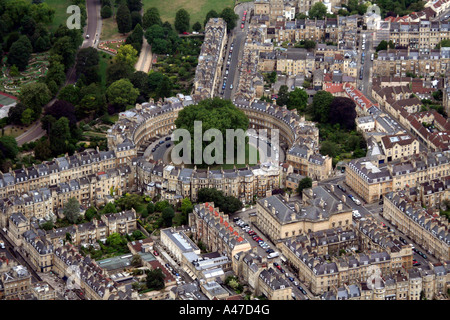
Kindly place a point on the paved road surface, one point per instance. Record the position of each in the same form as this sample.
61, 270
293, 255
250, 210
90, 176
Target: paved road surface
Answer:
237, 36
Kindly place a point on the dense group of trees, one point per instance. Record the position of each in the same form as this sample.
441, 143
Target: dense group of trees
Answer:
216, 114
226, 204
295, 99
226, 14
162, 38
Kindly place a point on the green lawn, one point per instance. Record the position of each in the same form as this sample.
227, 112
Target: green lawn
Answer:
197, 9
103, 64
61, 16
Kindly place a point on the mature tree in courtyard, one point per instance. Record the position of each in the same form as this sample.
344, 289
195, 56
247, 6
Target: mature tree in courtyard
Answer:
283, 95
305, 183
298, 99
215, 114
321, 106
167, 215
72, 210
343, 111
318, 10
155, 279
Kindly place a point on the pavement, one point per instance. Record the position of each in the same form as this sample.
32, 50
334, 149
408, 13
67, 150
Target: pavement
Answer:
144, 62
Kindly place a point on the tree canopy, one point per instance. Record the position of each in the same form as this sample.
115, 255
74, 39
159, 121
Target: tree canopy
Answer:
213, 113
226, 204
182, 19
343, 111
72, 210
151, 17
321, 106
318, 10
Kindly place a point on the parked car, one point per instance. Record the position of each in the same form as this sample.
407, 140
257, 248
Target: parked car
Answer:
154, 149
185, 33
155, 253
291, 279
161, 142
168, 138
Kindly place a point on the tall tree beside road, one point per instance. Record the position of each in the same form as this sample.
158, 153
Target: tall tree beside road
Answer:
151, 17
197, 26
127, 54
230, 18
123, 19
136, 38
136, 19
318, 10
65, 47
106, 12
209, 15
182, 18
88, 64
35, 95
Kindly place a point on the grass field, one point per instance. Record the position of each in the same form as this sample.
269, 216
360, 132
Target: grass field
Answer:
61, 16
103, 64
197, 9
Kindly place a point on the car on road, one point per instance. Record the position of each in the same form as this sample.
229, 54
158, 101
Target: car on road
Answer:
243, 18
185, 33
301, 289
416, 264
154, 149
282, 270
168, 138
168, 145
242, 26
87, 36
231, 86
161, 142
